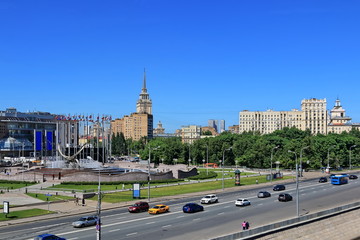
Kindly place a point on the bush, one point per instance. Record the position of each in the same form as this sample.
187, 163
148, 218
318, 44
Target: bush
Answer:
16, 182
203, 175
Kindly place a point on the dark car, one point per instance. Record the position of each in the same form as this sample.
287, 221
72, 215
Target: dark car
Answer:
322, 179
192, 207
279, 187
263, 194
352, 176
284, 197
48, 237
139, 207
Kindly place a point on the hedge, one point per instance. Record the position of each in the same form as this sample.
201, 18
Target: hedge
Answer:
122, 182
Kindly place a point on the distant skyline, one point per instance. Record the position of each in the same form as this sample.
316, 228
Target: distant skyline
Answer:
203, 59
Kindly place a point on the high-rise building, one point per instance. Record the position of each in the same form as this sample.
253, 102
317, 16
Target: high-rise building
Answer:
213, 123
222, 126
138, 124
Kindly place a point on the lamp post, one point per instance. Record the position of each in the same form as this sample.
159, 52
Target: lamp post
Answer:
297, 183
207, 159
203, 163
149, 170
223, 161
328, 157
301, 151
353, 146
271, 161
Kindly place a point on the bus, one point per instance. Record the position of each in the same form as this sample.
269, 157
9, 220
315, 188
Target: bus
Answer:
339, 179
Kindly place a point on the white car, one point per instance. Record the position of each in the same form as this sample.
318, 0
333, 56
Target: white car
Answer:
211, 198
242, 202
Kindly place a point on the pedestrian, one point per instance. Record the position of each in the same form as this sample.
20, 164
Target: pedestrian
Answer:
247, 225
244, 225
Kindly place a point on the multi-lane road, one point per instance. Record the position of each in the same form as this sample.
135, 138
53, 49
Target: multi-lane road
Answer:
218, 219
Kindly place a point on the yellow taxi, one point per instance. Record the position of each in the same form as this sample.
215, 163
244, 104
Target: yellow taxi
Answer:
160, 208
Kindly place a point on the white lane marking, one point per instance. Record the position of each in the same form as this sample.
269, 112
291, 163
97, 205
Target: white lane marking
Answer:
150, 223
114, 230
221, 213
73, 238
226, 206
260, 204
131, 234
47, 226
180, 217
120, 217
166, 226
196, 219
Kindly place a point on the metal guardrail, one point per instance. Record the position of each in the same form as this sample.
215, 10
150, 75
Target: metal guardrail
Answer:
290, 223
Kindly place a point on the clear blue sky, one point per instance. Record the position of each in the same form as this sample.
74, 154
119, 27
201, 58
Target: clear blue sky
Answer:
204, 59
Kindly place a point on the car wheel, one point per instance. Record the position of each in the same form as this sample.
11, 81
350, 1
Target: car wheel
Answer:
216, 200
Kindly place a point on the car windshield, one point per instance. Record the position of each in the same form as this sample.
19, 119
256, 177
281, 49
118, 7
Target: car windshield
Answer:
136, 205
82, 219
207, 196
156, 207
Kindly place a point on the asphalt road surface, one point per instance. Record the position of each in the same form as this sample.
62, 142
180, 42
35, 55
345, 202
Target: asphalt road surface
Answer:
216, 220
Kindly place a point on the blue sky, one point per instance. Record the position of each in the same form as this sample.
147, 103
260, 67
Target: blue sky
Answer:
204, 59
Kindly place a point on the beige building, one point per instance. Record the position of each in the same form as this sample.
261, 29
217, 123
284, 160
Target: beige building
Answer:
339, 122
313, 116
189, 133
159, 129
210, 129
139, 124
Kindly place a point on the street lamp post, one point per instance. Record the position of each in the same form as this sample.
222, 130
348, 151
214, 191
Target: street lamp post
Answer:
207, 159
297, 183
223, 162
271, 161
203, 163
301, 151
149, 171
353, 146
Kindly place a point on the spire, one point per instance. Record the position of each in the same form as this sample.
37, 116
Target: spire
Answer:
144, 83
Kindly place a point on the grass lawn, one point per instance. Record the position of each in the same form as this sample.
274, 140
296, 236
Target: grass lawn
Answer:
88, 188
51, 198
5, 186
24, 214
181, 189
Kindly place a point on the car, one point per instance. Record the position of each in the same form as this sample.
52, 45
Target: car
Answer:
211, 198
85, 221
242, 202
263, 194
160, 208
48, 236
192, 207
352, 176
138, 207
284, 197
279, 187
322, 179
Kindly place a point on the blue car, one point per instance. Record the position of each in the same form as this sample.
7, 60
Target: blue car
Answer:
48, 237
192, 207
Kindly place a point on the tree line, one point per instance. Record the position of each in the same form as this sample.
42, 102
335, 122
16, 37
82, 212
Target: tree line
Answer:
250, 149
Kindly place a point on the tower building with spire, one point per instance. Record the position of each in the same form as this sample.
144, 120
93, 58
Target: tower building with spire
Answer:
144, 104
140, 123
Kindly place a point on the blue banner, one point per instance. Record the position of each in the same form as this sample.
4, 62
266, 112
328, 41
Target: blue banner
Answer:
38, 141
49, 140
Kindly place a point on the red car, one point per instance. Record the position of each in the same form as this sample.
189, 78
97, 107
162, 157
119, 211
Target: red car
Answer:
139, 207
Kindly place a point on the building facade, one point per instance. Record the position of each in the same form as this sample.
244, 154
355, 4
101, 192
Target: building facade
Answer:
34, 133
140, 123
190, 133
313, 116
